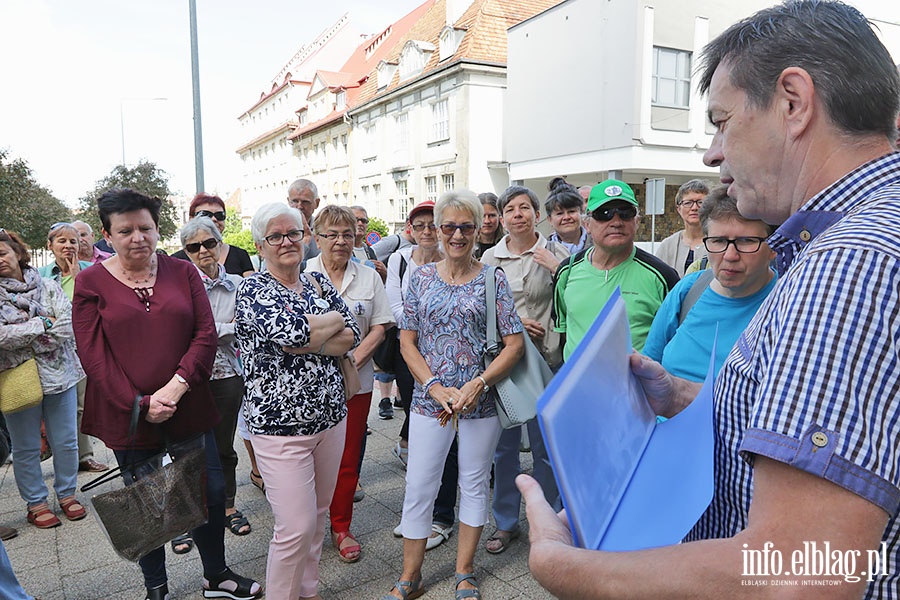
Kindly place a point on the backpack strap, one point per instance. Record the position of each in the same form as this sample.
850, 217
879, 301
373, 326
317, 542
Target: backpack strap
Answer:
492, 343
697, 289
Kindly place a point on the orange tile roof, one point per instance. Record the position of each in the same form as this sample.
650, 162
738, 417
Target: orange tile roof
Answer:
286, 126
485, 23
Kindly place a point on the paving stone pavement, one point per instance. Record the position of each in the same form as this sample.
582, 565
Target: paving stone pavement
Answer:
76, 562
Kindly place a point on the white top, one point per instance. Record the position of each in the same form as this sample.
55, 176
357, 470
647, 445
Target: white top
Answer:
361, 289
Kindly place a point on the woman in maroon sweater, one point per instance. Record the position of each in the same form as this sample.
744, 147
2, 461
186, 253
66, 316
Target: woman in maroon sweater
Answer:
144, 328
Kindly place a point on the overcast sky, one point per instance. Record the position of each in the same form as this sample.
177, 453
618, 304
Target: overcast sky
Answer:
76, 74
73, 72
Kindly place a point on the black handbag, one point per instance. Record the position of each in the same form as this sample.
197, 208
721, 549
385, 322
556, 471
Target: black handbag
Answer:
163, 496
388, 351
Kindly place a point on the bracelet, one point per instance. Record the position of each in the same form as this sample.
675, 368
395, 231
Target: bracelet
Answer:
322, 349
430, 383
486, 387
47, 323
183, 381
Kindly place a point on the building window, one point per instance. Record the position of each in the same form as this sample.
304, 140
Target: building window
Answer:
365, 192
447, 180
431, 192
440, 121
401, 126
405, 201
340, 100
671, 78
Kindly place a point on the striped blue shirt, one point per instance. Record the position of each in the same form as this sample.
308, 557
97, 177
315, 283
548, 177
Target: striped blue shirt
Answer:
814, 380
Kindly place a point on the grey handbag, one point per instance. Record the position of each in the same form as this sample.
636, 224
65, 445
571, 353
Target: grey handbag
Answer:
515, 395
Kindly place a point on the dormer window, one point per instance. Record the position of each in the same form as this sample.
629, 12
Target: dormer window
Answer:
413, 58
450, 39
385, 73
340, 100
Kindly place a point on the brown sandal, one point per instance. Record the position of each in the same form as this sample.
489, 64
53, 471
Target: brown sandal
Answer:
72, 508
42, 517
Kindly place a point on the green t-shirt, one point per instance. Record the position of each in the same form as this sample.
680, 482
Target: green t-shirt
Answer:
581, 290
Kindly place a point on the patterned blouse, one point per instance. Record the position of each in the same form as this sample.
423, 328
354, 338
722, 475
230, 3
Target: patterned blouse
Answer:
288, 394
451, 322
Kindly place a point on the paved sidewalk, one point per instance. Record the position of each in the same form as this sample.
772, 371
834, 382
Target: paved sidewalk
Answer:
75, 561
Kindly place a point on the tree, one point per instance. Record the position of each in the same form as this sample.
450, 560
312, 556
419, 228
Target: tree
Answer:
26, 207
240, 239
145, 177
378, 225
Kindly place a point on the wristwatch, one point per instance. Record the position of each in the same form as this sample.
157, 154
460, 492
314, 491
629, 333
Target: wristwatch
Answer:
182, 380
47, 323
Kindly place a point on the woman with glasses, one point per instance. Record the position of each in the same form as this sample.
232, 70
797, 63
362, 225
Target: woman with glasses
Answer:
362, 290
684, 247
719, 301
200, 239
36, 323
145, 330
291, 329
235, 260
63, 241
490, 231
443, 334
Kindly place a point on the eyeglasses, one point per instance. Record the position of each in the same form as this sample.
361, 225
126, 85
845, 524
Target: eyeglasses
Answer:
422, 226
218, 215
449, 229
626, 213
195, 247
690, 203
333, 237
276, 239
362, 220
744, 245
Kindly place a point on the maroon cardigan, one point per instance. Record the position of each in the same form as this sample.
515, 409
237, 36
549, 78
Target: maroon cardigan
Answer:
127, 351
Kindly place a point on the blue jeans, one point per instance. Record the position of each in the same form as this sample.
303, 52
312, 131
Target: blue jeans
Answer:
210, 538
507, 498
59, 414
9, 585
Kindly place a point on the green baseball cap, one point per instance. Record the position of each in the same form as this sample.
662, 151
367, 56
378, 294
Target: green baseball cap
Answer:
609, 190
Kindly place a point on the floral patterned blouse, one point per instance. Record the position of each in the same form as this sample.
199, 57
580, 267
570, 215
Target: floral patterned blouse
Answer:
451, 322
288, 394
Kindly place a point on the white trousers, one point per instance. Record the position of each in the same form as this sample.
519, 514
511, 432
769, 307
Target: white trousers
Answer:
428, 447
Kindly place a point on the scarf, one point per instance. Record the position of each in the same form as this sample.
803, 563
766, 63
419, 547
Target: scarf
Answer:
21, 300
221, 280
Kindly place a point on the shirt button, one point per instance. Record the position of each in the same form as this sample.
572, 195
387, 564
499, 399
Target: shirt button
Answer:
805, 235
819, 439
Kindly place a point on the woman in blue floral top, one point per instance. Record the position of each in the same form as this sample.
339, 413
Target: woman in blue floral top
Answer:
442, 338
291, 327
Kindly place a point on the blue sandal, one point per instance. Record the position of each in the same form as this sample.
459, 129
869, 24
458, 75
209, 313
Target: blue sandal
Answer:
462, 594
409, 590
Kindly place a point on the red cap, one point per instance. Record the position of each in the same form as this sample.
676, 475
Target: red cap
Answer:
426, 206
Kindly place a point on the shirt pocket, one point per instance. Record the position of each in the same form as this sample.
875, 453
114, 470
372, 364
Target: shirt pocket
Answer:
361, 309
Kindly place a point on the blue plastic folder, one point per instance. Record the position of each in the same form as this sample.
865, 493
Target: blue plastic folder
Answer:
626, 481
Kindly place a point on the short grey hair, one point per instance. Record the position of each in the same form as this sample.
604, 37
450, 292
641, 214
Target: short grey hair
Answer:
77, 222
697, 186
266, 213
195, 226
304, 184
460, 199
358, 207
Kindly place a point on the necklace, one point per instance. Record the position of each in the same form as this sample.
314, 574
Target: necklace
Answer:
461, 275
146, 279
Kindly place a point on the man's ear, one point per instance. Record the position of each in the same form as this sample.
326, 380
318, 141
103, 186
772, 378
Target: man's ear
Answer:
795, 97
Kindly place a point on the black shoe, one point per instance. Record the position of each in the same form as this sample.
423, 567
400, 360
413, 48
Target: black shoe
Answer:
385, 410
397, 402
160, 593
229, 584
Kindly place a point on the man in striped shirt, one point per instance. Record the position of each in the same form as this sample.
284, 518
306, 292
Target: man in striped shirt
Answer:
804, 99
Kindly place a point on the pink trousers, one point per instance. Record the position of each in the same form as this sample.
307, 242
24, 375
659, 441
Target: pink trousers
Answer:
300, 474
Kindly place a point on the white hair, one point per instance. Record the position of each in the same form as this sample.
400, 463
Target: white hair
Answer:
460, 199
266, 213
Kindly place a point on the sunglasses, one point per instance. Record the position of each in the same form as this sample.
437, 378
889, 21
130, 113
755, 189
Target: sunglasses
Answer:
195, 247
626, 213
449, 229
60, 224
218, 215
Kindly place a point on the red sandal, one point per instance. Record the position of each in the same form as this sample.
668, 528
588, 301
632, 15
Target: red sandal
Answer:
42, 517
348, 554
72, 508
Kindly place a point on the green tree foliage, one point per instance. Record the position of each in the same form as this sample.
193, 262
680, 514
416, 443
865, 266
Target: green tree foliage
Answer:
144, 177
240, 239
376, 224
26, 207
